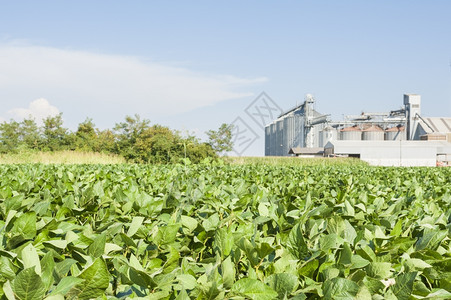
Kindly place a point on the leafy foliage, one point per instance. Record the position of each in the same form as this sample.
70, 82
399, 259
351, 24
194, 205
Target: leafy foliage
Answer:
215, 231
134, 139
221, 139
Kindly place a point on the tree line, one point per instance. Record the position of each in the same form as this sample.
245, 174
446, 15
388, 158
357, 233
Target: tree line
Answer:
134, 139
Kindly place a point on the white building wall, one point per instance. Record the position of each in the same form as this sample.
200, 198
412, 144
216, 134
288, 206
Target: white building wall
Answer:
400, 156
393, 153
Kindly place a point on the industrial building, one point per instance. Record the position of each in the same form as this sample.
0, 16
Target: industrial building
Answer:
397, 138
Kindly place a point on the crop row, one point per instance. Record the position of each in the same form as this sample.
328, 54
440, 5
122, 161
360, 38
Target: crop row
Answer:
216, 231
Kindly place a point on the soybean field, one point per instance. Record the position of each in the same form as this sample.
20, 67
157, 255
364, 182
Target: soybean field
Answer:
221, 231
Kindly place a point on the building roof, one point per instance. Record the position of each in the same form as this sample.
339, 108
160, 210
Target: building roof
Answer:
300, 151
373, 128
351, 128
438, 125
396, 129
300, 109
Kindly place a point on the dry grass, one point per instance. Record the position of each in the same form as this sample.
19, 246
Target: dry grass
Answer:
295, 161
60, 157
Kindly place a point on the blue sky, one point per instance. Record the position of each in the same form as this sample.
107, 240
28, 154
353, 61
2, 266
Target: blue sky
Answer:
194, 65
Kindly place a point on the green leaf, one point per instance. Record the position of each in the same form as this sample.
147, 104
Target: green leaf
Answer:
223, 241
183, 295
60, 244
7, 268
397, 229
187, 281
134, 263
141, 278
379, 270
349, 234
330, 241
96, 280
135, 225
253, 289
283, 283
416, 264
431, 238
30, 258
97, 248
55, 297
47, 266
296, 244
250, 250
363, 294
403, 287
228, 272
8, 291
166, 234
172, 260
264, 249
358, 262
28, 285
309, 268
24, 228
345, 255
63, 267
109, 247
211, 223
189, 223
340, 288
66, 284
437, 294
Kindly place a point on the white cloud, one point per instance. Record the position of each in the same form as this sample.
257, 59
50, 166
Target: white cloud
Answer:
101, 82
38, 109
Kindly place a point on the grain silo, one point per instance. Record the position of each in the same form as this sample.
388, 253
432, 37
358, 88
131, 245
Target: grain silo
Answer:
396, 133
267, 140
299, 126
327, 134
279, 138
352, 133
373, 133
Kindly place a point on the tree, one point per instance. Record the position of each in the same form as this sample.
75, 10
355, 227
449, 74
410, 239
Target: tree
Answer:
9, 136
157, 144
106, 141
127, 134
30, 134
55, 135
221, 139
197, 151
86, 136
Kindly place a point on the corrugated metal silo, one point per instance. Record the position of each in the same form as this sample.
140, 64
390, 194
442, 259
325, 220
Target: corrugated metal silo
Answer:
397, 133
289, 130
326, 135
373, 133
351, 133
267, 140
273, 139
299, 132
279, 138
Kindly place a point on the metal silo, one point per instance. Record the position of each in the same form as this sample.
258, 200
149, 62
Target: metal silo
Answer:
397, 133
267, 140
273, 138
326, 135
373, 133
288, 130
351, 133
299, 131
279, 138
